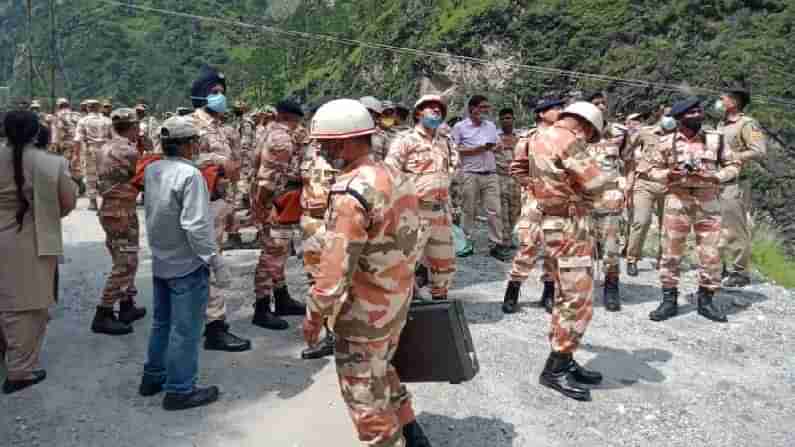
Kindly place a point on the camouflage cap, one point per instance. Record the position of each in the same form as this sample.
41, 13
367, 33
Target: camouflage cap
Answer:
178, 127
123, 115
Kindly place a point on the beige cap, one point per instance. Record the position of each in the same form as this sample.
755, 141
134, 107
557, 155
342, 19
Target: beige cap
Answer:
62, 102
123, 115
178, 127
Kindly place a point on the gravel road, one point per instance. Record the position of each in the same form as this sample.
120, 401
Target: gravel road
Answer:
685, 382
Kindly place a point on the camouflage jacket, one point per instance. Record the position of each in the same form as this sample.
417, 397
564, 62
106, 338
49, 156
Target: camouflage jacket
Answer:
503, 153
214, 142
380, 144
116, 164
745, 140
567, 176
318, 176
520, 168
366, 274
429, 160
247, 130
149, 129
607, 154
706, 151
93, 129
65, 127
279, 160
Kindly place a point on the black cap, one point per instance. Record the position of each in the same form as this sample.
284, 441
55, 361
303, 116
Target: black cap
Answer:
546, 104
681, 107
288, 106
208, 77
741, 91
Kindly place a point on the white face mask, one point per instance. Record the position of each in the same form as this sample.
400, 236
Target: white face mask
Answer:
720, 107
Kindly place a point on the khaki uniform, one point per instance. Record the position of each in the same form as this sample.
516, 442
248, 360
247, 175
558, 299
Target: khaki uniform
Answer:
531, 236
648, 196
429, 160
318, 176
692, 203
92, 131
380, 144
63, 139
510, 190
747, 142
279, 171
372, 221
116, 168
608, 207
246, 128
215, 147
568, 182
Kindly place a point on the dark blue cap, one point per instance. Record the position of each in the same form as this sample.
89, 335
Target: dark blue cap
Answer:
287, 106
546, 104
681, 107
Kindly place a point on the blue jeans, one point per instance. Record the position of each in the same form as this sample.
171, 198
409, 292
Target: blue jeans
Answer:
179, 312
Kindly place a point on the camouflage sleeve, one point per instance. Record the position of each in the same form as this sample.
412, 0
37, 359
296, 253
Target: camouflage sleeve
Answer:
455, 157
754, 142
396, 155
246, 136
520, 166
80, 132
345, 239
660, 163
275, 159
585, 169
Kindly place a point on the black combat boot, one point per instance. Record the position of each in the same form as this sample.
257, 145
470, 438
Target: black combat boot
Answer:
196, 398
548, 296
558, 376
128, 312
286, 305
323, 349
218, 338
707, 308
414, 435
264, 318
611, 296
735, 279
632, 269
12, 386
583, 375
668, 308
510, 303
105, 322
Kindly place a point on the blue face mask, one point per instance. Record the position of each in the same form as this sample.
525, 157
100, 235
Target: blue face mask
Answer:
432, 121
217, 102
668, 123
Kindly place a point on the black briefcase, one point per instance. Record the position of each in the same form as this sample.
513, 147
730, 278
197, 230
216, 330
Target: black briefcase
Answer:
436, 345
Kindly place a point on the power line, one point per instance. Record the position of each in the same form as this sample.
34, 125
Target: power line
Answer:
446, 56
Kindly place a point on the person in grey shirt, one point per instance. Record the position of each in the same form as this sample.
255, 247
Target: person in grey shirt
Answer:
179, 227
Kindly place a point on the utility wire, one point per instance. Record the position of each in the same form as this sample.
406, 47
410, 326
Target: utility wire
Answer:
446, 56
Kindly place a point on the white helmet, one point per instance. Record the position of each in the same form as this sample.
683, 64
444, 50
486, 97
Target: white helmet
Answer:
431, 98
341, 119
588, 112
372, 103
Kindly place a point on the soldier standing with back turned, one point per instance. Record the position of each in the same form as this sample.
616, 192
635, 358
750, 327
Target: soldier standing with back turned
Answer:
366, 276
93, 131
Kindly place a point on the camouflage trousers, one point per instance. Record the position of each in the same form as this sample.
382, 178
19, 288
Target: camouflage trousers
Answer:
88, 161
569, 243
67, 150
697, 209
456, 198
735, 201
121, 238
531, 243
436, 248
607, 229
275, 242
377, 402
313, 230
220, 209
511, 207
647, 201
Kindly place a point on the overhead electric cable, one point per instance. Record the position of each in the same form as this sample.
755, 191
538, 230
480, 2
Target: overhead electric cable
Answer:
446, 56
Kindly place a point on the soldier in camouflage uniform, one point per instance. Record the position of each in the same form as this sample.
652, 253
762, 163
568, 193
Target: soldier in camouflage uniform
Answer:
380, 137
63, 135
107, 107
216, 149
278, 172
567, 183
372, 221
92, 132
531, 237
510, 192
116, 164
149, 131
607, 216
247, 130
693, 163
748, 143
427, 157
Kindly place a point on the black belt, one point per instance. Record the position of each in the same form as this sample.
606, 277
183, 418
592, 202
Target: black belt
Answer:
482, 173
432, 206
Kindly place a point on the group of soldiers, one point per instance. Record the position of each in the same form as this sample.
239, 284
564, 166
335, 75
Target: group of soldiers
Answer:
375, 187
